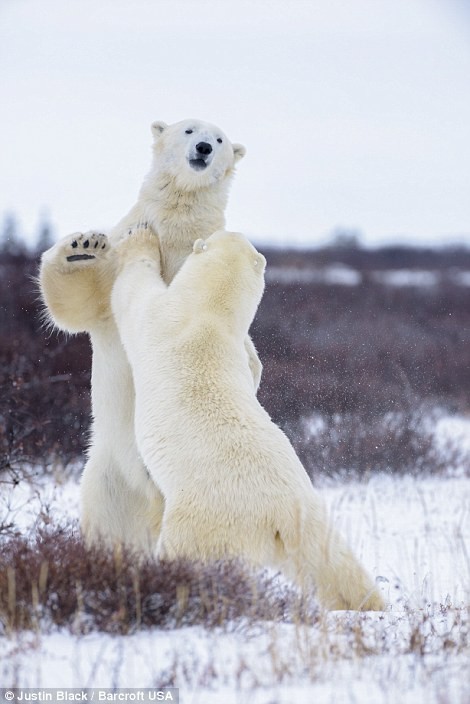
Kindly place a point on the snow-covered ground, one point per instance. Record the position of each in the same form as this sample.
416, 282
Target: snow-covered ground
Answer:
342, 275
336, 274
412, 533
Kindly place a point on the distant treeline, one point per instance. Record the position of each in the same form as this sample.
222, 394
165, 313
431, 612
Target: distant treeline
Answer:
14, 242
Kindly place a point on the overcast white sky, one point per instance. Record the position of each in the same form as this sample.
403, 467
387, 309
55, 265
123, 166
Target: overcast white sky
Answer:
355, 113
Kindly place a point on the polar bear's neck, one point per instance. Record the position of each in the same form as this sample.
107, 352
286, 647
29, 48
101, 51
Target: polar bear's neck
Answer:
186, 215
181, 217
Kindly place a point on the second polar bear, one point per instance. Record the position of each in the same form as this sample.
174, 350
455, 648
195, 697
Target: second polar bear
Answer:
183, 198
232, 483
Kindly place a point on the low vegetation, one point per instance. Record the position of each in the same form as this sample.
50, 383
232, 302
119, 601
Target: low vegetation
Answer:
357, 376
372, 360
53, 580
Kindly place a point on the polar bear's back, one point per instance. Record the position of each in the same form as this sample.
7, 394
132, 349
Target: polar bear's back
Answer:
211, 430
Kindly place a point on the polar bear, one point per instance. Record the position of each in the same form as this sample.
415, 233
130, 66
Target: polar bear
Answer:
232, 483
182, 199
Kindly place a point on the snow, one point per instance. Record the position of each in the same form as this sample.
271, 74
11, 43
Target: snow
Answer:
335, 274
273, 663
462, 278
453, 428
41, 501
411, 532
407, 277
341, 275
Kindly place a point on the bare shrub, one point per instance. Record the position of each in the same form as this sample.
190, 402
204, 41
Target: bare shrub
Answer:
44, 378
367, 350
55, 580
352, 444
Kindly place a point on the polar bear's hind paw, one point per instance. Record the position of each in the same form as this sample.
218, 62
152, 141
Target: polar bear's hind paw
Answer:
95, 243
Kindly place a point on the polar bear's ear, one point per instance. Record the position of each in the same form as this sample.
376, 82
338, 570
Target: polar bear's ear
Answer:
239, 151
199, 246
157, 128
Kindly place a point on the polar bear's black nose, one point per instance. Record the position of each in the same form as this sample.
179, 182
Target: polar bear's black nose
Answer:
203, 148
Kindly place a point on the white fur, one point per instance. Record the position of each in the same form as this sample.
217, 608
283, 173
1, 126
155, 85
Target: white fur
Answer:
120, 502
179, 203
232, 483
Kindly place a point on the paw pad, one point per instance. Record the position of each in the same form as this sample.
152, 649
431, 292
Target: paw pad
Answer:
80, 243
79, 257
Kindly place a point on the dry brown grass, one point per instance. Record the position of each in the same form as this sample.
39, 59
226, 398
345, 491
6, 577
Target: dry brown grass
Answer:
53, 580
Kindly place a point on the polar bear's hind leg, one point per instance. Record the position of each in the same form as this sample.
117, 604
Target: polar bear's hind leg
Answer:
318, 558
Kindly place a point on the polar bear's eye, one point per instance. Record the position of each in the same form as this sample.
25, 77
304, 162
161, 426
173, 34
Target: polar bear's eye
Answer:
219, 139
189, 131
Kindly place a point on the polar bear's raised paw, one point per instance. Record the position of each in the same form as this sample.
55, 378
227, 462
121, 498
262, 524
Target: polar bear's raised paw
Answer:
141, 230
140, 244
85, 247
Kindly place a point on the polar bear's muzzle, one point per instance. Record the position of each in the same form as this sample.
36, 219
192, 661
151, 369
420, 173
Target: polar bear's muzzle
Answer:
200, 156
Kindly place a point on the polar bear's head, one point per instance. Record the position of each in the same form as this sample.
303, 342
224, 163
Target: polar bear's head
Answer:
228, 272
194, 153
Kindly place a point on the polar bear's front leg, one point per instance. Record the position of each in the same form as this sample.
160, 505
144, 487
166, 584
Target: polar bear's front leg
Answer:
75, 278
138, 284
